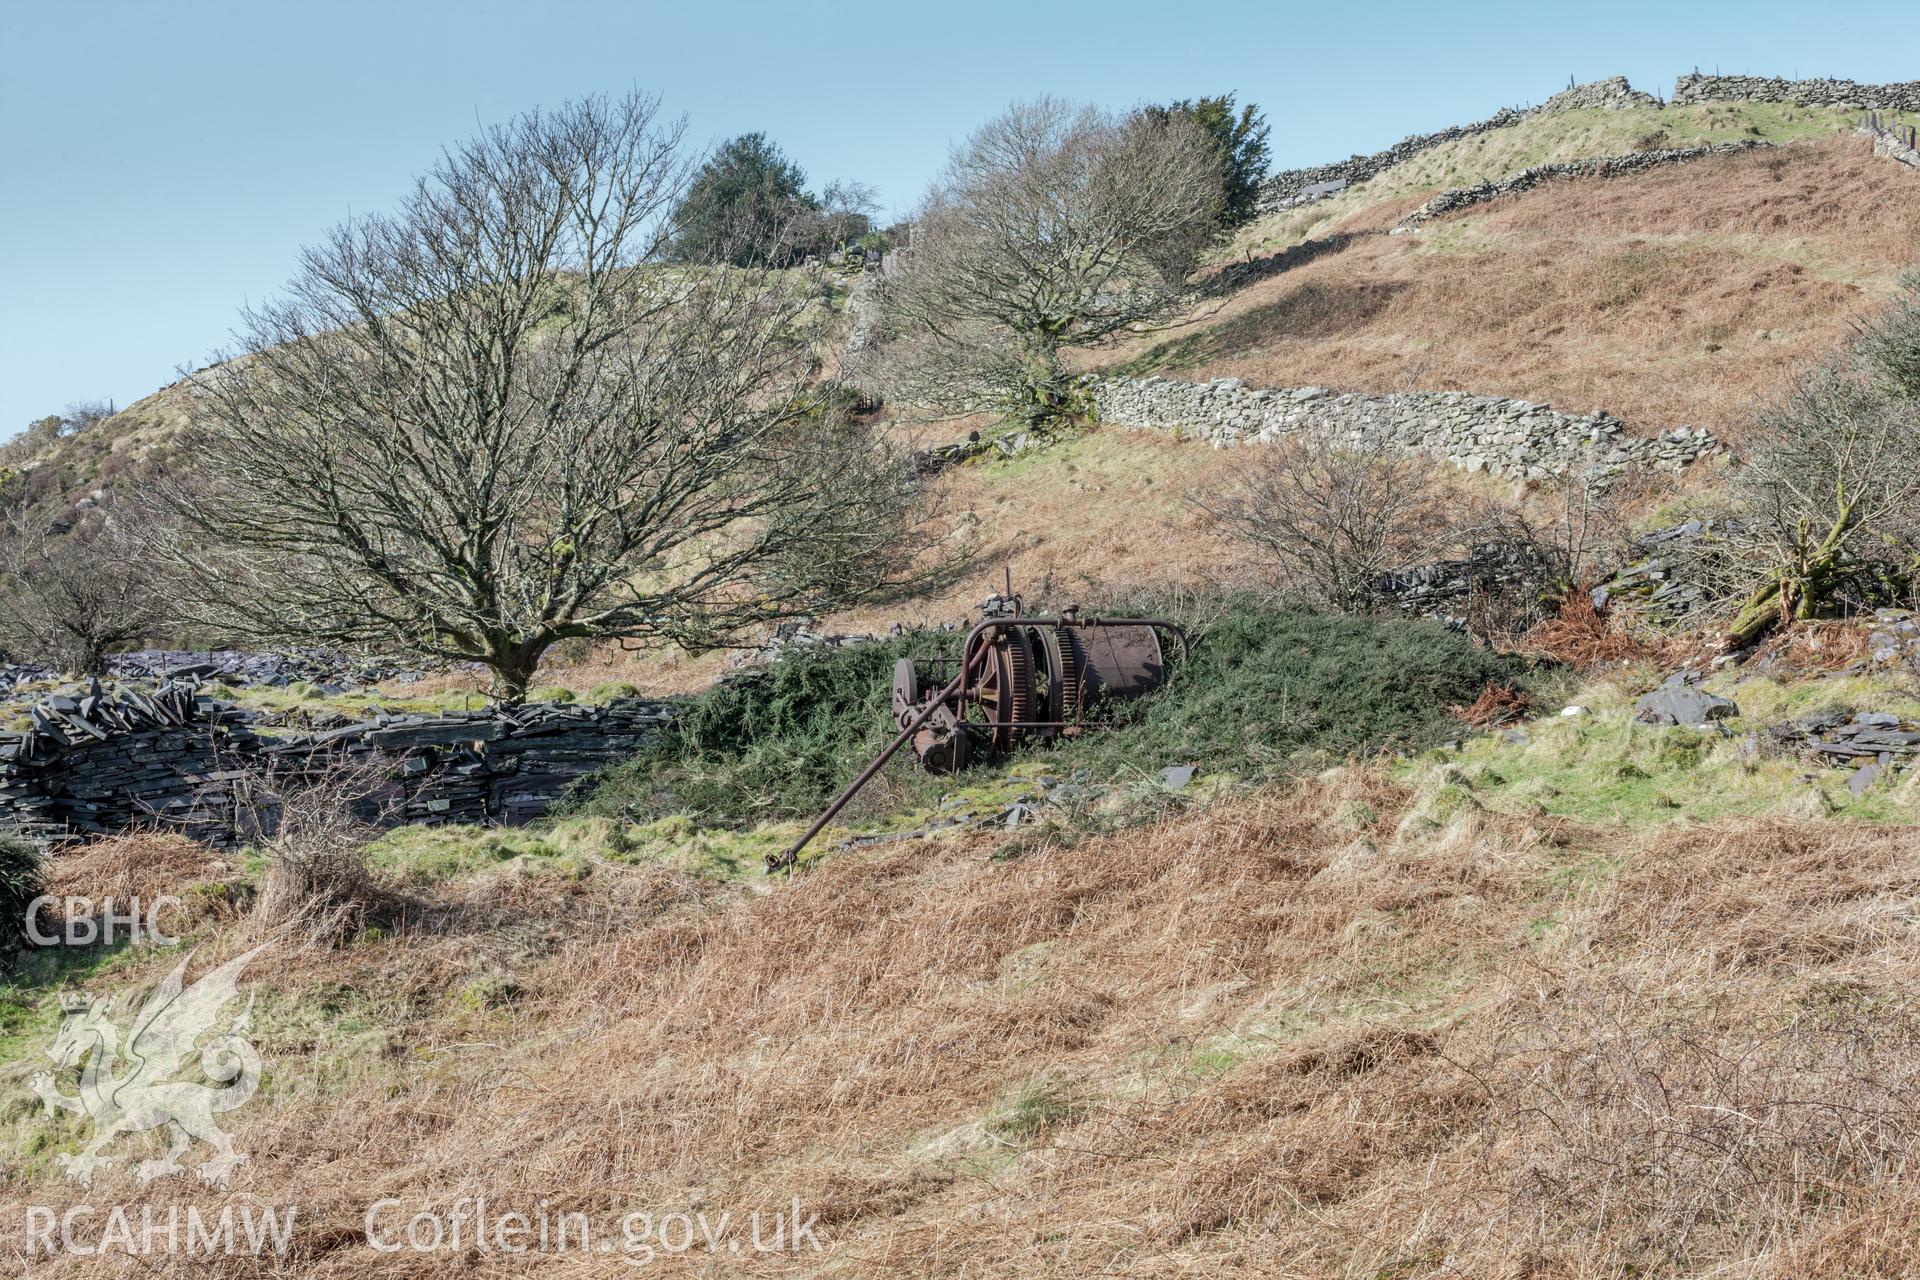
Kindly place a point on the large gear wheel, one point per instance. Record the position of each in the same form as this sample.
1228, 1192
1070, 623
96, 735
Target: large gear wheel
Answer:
1004, 692
1066, 675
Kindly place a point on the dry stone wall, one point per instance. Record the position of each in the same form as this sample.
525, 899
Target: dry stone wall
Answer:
1895, 144
174, 759
1606, 167
1296, 187
1807, 93
1515, 438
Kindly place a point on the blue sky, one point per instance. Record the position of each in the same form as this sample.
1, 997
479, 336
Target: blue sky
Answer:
162, 161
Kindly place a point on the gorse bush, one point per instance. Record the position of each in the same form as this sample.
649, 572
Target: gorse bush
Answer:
1268, 686
1265, 689
773, 742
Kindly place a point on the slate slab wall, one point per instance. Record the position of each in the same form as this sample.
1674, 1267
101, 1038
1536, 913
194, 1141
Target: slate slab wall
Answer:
174, 759
1605, 167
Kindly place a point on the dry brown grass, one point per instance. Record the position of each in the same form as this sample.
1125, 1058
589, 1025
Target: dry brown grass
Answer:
1679, 296
1817, 646
143, 865
1305, 1034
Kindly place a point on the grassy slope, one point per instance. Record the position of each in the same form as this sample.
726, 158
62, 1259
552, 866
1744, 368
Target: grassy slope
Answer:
1548, 139
1361, 1025
1606, 769
1679, 296
1342, 1028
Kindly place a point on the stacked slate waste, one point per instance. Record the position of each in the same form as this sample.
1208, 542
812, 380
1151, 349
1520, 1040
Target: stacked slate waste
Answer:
240, 667
331, 671
105, 763
1673, 572
173, 758
1893, 638
801, 633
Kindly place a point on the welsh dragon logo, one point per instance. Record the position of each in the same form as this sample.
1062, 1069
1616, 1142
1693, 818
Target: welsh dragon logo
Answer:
146, 1095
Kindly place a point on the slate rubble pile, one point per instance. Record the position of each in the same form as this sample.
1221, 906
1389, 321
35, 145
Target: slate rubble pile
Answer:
802, 633
332, 671
1661, 577
1871, 743
272, 670
1514, 438
1441, 589
170, 759
1893, 638
1840, 735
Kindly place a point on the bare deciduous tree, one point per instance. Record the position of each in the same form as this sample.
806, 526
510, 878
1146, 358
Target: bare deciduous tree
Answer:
493, 421
83, 414
1339, 522
1832, 479
1055, 225
68, 598
1326, 520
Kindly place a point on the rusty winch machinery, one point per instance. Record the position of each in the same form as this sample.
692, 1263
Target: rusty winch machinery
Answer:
1018, 679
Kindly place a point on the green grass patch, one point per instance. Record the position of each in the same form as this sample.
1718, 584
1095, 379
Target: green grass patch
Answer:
569, 847
1607, 768
1040, 1105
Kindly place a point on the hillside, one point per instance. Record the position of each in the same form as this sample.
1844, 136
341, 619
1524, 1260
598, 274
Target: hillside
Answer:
1678, 296
1326, 1029
1564, 295
1364, 946
1681, 296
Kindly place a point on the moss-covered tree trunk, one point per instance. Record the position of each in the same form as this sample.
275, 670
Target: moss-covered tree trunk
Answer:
513, 665
1800, 588
1045, 390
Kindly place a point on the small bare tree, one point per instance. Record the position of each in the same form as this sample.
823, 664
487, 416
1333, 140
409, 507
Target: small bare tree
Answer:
82, 415
1832, 480
314, 826
70, 597
1055, 225
1326, 520
1830, 494
492, 421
